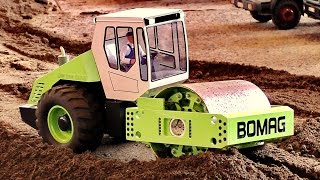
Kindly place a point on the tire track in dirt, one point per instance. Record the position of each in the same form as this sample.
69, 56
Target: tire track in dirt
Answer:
49, 39
305, 141
270, 155
40, 44
17, 48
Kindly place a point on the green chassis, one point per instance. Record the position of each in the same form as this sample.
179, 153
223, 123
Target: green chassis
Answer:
150, 122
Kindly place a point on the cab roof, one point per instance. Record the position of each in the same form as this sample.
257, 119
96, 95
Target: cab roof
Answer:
137, 14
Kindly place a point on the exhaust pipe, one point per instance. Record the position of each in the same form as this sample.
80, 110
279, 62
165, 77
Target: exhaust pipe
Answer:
63, 58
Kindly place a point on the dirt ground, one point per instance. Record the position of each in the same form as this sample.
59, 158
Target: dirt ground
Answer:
224, 43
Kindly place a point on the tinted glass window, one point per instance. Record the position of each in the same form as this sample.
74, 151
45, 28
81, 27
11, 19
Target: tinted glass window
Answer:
164, 34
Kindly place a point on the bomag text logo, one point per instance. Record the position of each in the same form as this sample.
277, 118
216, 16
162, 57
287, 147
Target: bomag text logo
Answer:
261, 127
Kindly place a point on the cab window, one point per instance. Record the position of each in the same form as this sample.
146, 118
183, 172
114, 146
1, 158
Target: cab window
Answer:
142, 55
110, 47
167, 50
126, 48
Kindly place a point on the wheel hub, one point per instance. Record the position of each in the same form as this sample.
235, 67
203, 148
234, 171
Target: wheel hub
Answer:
287, 14
60, 124
177, 127
64, 123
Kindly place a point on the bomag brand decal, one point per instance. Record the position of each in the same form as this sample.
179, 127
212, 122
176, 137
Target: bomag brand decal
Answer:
261, 127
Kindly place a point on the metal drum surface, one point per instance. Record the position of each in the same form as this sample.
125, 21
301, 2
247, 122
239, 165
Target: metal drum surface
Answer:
230, 96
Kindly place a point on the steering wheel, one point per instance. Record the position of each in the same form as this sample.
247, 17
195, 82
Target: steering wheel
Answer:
154, 54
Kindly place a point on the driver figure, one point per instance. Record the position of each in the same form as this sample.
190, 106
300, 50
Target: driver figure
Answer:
128, 57
127, 53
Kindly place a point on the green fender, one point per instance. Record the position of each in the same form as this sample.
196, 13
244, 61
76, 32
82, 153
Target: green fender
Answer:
80, 69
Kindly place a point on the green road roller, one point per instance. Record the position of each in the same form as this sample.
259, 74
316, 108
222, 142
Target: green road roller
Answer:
130, 86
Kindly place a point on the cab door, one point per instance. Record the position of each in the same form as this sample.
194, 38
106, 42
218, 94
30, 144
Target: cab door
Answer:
111, 49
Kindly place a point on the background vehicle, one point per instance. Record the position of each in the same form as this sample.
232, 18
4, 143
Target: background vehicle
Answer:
285, 14
312, 8
74, 105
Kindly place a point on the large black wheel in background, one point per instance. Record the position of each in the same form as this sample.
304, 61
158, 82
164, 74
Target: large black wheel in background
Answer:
70, 116
286, 14
259, 17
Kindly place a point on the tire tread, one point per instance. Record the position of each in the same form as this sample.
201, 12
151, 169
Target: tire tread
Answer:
86, 112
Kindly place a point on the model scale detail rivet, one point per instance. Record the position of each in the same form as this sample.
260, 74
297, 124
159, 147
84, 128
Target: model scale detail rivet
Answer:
130, 86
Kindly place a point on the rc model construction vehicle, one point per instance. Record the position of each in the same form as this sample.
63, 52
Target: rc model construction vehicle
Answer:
285, 14
130, 86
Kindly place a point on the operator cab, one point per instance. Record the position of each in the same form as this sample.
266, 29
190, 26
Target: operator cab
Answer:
140, 49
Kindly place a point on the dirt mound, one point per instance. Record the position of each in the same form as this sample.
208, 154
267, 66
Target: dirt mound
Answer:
41, 44
22, 156
17, 10
20, 90
30, 41
25, 156
264, 77
305, 141
296, 99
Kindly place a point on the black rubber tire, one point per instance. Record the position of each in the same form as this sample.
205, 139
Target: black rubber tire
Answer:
86, 114
260, 18
281, 10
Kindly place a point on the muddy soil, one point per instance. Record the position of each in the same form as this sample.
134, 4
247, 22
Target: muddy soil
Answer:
30, 37
25, 156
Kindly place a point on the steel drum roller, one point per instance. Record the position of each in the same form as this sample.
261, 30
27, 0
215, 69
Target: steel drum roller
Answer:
220, 97
230, 96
